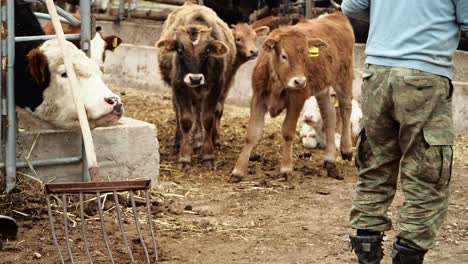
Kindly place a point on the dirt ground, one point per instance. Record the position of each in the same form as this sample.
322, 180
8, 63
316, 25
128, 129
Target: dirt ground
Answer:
201, 218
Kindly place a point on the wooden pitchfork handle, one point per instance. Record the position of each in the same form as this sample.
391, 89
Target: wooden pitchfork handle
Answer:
80, 109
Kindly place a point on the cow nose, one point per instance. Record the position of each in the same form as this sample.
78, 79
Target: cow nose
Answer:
117, 106
194, 79
297, 82
112, 100
253, 52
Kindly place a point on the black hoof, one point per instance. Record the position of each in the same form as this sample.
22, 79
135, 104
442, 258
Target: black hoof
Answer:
332, 170
235, 178
347, 156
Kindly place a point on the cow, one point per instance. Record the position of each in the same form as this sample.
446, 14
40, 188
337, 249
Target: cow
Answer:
295, 63
274, 22
99, 43
41, 81
312, 129
196, 56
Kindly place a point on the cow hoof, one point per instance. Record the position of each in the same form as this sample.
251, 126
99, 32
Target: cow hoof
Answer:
347, 155
209, 164
235, 178
184, 165
332, 170
286, 175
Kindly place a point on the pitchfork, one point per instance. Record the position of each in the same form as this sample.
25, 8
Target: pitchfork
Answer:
93, 187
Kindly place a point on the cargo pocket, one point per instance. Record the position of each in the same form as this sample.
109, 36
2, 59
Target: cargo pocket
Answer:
438, 157
363, 151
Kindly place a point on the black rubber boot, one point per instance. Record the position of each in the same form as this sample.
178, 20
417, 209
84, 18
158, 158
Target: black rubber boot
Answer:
406, 255
368, 249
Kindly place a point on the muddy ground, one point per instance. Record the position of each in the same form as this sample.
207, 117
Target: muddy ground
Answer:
201, 218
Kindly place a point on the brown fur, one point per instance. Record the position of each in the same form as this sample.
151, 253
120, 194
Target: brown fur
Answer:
274, 22
199, 107
285, 83
38, 66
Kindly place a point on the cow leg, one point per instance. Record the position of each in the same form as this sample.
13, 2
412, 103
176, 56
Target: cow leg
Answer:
288, 131
329, 121
345, 106
218, 115
254, 132
198, 132
178, 131
185, 122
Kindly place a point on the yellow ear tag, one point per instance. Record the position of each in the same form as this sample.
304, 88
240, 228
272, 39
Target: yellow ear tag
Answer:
313, 52
114, 43
335, 102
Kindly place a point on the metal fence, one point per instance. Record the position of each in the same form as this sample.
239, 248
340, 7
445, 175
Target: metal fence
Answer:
8, 124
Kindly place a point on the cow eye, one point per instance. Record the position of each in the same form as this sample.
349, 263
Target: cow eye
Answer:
207, 52
284, 56
238, 39
179, 51
64, 75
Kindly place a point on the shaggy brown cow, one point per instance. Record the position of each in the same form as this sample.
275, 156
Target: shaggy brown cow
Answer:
196, 57
297, 62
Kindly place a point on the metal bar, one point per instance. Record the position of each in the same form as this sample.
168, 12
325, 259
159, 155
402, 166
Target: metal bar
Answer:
85, 14
11, 115
93, 187
66, 15
47, 17
137, 223
1, 85
150, 221
103, 226
83, 229
49, 162
122, 230
52, 228
121, 10
65, 225
46, 37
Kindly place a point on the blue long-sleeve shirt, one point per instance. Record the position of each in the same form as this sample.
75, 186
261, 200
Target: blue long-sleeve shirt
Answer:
416, 34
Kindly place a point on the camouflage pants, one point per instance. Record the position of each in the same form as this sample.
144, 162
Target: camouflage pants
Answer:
407, 131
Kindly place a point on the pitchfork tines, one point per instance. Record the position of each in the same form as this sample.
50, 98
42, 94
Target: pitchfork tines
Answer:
66, 190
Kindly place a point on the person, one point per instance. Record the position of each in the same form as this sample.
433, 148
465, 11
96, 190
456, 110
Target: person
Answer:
407, 126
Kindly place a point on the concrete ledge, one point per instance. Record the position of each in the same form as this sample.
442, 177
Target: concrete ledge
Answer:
129, 150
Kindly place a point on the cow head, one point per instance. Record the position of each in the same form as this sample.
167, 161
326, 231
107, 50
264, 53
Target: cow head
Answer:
289, 51
47, 68
100, 44
247, 38
192, 46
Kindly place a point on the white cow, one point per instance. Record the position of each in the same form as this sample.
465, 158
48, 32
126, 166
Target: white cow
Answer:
312, 131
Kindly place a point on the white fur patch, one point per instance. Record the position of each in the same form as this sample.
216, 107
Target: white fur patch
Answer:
58, 106
98, 47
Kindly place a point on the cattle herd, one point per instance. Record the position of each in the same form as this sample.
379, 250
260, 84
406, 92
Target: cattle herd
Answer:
304, 67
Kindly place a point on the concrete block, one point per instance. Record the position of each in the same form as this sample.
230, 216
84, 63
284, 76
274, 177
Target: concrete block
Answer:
127, 151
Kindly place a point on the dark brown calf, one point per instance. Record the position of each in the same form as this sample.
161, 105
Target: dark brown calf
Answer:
297, 62
197, 54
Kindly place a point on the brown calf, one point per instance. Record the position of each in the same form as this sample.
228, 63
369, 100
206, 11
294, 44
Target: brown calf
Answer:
274, 22
297, 62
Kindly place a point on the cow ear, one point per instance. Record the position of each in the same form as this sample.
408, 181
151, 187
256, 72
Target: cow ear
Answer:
262, 31
316, 42
269, 44
38, 66
166, 46
218, 48
112, 42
